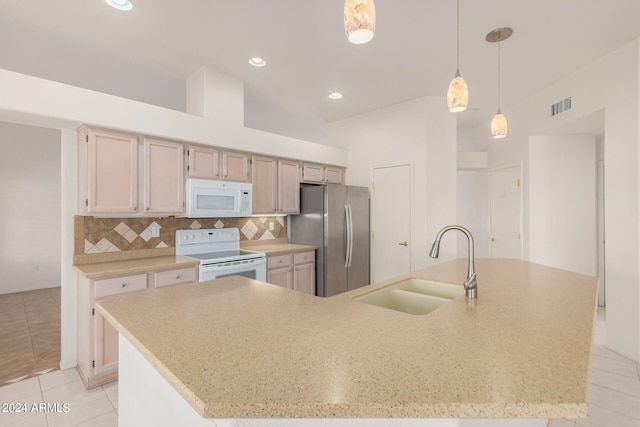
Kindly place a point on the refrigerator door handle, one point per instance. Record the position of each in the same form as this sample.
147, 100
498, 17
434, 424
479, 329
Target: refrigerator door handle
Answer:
348, 224
350, 236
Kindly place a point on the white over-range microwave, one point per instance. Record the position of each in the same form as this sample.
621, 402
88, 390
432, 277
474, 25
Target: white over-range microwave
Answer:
218, 199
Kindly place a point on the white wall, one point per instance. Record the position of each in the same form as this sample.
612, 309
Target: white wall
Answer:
612, 84
562, 200
422, 132
472, 210
29, 208
30, 100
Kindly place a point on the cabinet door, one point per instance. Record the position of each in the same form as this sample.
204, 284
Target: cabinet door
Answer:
334, 175
105, 351
204, 162
281, 276
235, 166
288, 187
312, 173
264, 175
304, 278
163, 177
112, 173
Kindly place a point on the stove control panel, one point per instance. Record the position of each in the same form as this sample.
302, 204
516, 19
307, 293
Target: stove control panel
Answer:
210, 235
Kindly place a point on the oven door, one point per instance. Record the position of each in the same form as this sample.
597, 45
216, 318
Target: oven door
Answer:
255, 268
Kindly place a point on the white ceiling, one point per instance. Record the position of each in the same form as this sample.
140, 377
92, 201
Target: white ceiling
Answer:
147, 53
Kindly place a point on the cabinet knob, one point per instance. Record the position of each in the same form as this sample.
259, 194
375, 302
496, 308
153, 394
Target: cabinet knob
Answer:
177, 277
124, 285
147, 208
135, 208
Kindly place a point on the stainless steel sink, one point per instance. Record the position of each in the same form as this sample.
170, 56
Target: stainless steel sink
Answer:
413, 296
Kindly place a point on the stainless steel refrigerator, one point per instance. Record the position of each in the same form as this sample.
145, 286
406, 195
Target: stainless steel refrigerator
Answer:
335, 218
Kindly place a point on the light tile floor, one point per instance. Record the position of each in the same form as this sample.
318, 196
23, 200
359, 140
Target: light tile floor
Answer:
29, 334
614, 395
97, 407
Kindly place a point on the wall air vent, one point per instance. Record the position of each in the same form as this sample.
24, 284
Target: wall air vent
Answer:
560, 107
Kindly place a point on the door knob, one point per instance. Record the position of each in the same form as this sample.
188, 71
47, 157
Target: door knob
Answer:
404, 243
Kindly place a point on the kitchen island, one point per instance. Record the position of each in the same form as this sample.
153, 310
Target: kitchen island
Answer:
238, 348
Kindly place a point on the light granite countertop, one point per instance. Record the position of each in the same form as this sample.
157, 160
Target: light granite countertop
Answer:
280, 248
249, 349
98, 270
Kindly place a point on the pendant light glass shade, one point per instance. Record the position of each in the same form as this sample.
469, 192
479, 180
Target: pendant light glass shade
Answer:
359, 20
499, 122
458, 94
499, 125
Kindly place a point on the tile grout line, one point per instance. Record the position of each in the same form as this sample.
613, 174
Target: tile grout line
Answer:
610, 410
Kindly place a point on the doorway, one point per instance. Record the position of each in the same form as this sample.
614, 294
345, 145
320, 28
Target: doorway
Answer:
391, 220
30, 292
505, 211
601, 237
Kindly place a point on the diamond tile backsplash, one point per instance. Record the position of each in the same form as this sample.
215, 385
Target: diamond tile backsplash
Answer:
100, 235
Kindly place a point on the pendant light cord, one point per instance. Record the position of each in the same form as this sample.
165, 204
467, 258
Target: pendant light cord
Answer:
498, 76
458, 34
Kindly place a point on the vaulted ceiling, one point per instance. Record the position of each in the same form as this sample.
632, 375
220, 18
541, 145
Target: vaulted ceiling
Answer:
147, 53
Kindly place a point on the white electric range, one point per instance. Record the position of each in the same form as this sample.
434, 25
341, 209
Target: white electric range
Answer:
219, 253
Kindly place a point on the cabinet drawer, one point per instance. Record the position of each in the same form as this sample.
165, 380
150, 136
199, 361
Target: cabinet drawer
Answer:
303, 257
279, 261
120, 285
174, 277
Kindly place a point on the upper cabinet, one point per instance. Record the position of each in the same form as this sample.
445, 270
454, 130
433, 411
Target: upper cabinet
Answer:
213, 163
119, 175
163, 177
264, 172
128, 175
235, 166
321, 174
276, 185
108, 163
288, 187
204, 162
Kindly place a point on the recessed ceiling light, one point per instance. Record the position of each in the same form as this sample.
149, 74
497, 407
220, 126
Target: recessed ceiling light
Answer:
257, 62
120, 4
335, 95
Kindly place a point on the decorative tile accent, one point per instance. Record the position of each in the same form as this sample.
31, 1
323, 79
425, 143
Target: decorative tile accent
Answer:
99, 235
249, 229
148, 232
122, 228
267, 236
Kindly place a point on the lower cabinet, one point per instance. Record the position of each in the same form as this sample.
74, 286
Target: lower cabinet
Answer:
97, 339
293, 271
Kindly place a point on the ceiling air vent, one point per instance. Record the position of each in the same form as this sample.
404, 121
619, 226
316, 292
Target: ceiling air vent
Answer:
561, 107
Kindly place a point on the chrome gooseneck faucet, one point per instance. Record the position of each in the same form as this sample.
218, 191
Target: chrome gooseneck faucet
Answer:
470, 285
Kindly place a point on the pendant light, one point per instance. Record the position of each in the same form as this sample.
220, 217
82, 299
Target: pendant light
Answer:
359, 20
458, 93
499, 123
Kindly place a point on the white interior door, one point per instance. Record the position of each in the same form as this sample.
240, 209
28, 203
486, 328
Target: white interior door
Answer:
391, 217
505, 212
